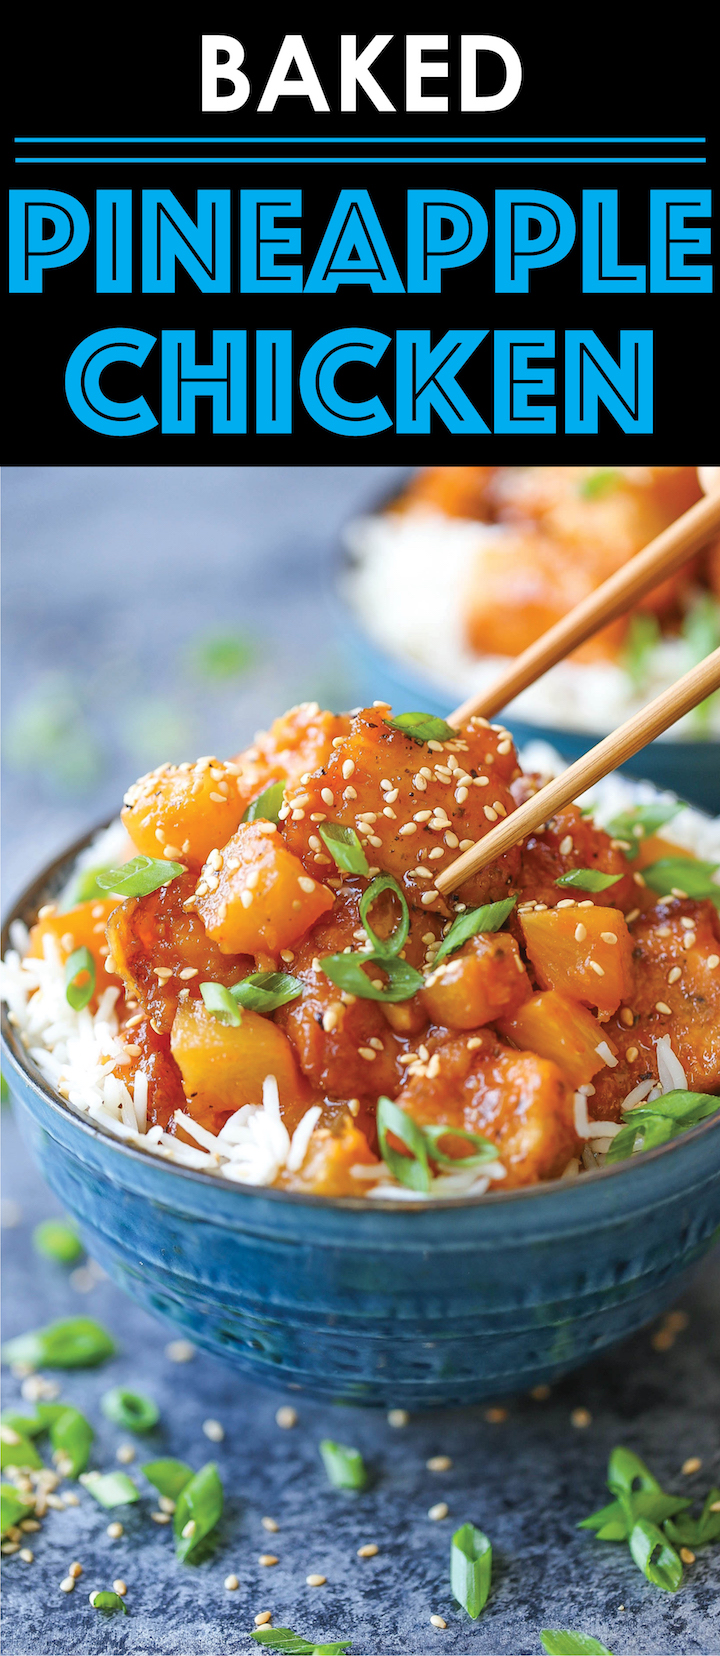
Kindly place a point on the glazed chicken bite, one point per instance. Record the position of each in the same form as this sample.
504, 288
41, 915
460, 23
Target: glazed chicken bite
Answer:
414, 805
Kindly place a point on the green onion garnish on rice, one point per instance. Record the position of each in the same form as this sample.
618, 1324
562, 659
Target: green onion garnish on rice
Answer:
683, 876
635, 825
79, 965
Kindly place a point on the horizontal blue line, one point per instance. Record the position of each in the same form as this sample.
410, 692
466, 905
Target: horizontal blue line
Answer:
360, 160
254, 138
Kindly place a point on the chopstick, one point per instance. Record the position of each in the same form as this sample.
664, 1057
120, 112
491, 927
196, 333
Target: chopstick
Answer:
660, 558
620, 745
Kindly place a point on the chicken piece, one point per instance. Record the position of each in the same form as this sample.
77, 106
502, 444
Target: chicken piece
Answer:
521, 1102
344, 1044
223, 1066
328, 1166
183, 811
569, 841
255, 897
414, 805
150, 1055
455, 491
482, 981
78, 928
157, 934
299, 741
522, 582
676, 936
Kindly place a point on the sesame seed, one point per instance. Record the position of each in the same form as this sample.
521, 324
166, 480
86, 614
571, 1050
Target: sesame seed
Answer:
391, 797
540, 1393
268, 1559
440, 1510
662, 1006
580, 1418
315, 1580
633, 915
306, 884
566, 902
677, 891
505, 747
262, 1617
631, 1054
398, 1417
67, 1585
639, 881
297, 814
587, 903
347, 770
246, 898
286, 1416
114, 1530
367, 1053
598, 970
461, 795
689, 939
231, 1583
609, 937
674, 974
565, 846
429, 897
713, 960
180, 1351
687, 1556
466, 844
439, 1463
188, 972
490, 813
437, 1621
166, 1503
368, 1550
160, 1517
436, 852
693, 1464
420, 783
270, 1525
27, 1555
496, 1416
125, 1453
327, 796
120, 1586
627, 1016
213, 1430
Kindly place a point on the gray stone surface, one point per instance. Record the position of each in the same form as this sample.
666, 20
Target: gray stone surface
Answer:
109, 578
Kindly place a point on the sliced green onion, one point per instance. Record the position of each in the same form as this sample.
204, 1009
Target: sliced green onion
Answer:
138, 877
344, 847
168, 1476
264, 991
71, 1435
130, 1410
614, 1523
221, 1003
696, 1532
200, 1502
347, 971
25, 1425
423, 727
345, 1467
20, 1453
626, 1469
470, 1568
267, 805
588, 879
411, 1171
642, 639
562, 1641
663, 1119
485, 1151
633, 826
4, 1091
86, 885
283, 1638
391, 945
489, 918
223, 655
107, 1600
77, 994
12, 1508
57, 1240
654, 1555
686, 874
110, 1489
599, 484
73, 1342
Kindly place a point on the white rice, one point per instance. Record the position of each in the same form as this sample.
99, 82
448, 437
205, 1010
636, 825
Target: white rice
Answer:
78, 1052
408, 586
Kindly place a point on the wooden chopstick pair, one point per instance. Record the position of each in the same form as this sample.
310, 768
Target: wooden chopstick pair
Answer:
662, 557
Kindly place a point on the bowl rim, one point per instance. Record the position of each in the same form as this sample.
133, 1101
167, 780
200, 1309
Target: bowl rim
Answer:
29, 899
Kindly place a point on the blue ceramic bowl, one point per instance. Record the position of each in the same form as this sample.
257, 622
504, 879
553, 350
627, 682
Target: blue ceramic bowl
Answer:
690, 769
377, 1302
